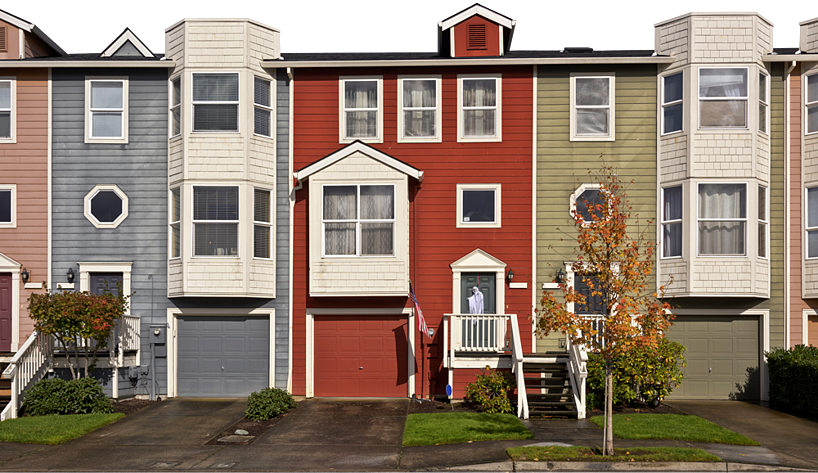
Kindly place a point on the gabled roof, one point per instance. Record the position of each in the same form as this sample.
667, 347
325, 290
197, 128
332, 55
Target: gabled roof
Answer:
31, 28
363, 148
477, 9
7, 263
477, 259
127, 36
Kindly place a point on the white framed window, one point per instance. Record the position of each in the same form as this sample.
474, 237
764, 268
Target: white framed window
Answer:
763, 222
723, 97
763, 103
419, 109
722, 219
215, 102
106, 206
262, 223
672, 222
8, 112
592, 107
672, 103
8, 205
585, 198
262, 107
812, 222
479, 205
175, 222
361, 109
106, 103
479, 103
811, 101
175, 101
216, 221
358, 220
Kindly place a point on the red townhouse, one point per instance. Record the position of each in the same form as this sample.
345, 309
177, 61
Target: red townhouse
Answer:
411, 168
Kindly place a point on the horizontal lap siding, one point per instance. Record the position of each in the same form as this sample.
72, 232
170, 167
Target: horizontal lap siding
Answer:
25, 163
439, 243
563, 165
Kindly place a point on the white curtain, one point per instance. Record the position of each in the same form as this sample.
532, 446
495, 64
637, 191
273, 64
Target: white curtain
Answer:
592, 92
722, 201
340, 203
479, 93
377, 203
419, 94
672, 232
361, 95
726, 84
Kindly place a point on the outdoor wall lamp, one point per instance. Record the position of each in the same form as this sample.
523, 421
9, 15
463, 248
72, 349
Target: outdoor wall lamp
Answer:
24, 275
70, 275
510, 275
560, 277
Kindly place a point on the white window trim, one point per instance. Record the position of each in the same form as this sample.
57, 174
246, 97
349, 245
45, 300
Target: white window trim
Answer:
342, 110
766, 104
746, 219
86, 268
171, 106
236, 103
193, 222
172, 222
746, 99
669, 104
87, 206
269, 224
498, 196
611, 136
498, 115
807, 228
766, 222
268, 109
358, 220
123, 138
664, 222
572, 200
8, 265
438, 109
808, 104
13, 131
13, 189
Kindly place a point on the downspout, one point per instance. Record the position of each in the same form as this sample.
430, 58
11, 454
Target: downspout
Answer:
290, 243
787, 205
534, 285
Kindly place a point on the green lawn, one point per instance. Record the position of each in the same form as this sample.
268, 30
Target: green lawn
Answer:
658, 454
461, 427
53, 430
672, 427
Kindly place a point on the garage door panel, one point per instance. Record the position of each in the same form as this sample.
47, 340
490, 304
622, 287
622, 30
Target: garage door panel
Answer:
698, 345
721, 346
210, 344
722, 367
349, 344
235, 365
258, 345
747, 347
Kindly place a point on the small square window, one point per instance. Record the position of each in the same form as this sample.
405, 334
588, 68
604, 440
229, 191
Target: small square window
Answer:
8, 205
361, 110
107, 110
478, 205
592, 108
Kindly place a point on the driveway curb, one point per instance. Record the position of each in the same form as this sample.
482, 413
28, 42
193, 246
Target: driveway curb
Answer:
511, 466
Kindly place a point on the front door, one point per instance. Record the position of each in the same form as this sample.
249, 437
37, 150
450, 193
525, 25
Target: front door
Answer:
5, 312
487, 285
102, 282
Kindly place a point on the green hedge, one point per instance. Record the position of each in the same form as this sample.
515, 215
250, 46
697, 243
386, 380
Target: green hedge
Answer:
268, 403
794, 379
58, 396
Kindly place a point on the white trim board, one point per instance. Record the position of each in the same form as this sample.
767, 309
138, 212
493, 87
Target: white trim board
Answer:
123, 38
8, 265
362, 148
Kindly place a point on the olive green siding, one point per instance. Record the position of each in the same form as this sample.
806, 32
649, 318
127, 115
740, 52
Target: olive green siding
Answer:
563, 165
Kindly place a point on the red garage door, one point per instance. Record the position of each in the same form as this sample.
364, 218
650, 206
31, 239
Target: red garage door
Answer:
360, 356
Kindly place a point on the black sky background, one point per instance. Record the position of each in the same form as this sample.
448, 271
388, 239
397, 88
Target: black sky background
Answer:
339, 26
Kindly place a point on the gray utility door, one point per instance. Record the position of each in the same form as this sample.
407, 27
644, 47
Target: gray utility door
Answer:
222, 356
101, 282
722, 357
487, 286
5, 312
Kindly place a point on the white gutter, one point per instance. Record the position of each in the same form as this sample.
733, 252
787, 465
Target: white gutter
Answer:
67, 63
495, 61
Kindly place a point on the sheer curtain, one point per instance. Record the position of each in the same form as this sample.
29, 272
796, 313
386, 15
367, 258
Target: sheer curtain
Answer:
672, 222
479, 103
717, 202
361, 104
340, 203
377, 203
728, 85
593, 100
419, 103
812, 222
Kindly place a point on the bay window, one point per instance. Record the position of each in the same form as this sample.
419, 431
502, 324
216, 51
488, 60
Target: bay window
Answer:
262, 223
175, 106
672, 222
723, 97
763, 103
175, 221
672, 103
358, 220
216, 220
216, 102
763, 221
262, 107
722, 219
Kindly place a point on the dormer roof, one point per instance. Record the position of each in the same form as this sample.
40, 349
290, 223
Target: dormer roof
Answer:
506, 24
31, 28
127, 44
363, 148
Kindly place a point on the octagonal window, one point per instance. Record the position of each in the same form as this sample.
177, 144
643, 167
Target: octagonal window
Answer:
106, 206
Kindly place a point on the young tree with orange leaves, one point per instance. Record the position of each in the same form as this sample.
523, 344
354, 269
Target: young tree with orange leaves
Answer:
616, 268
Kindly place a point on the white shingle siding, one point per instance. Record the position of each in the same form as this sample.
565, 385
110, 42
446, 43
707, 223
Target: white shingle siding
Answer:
673, 39
674, 276
810, 156
211, 157
810, 286
673, 158
809, 36
262, 159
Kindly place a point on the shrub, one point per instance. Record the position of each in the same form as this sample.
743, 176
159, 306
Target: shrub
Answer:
647, 372
268, 403
794, 379
59, 396
491, 390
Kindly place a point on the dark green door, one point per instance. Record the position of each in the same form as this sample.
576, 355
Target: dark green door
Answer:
487, 287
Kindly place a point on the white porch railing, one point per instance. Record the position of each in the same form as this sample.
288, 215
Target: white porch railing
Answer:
517, 368
28, 366
479, 333
578, 374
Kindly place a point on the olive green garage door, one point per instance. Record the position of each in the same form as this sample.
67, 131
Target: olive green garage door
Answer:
722, 356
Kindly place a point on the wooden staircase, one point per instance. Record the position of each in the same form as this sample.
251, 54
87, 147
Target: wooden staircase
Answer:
5, 387
548, 387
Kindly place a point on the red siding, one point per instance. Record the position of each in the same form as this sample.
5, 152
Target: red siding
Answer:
461, 38
435, 242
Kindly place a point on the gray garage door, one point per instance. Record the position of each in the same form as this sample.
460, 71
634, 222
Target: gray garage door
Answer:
222, 356
722, 357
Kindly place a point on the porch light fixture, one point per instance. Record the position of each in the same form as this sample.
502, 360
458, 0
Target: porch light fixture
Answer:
510, 275
24, 275
560, 277
70, 275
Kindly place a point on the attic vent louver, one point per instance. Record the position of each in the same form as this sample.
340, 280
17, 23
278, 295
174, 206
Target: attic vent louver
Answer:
577, 47
477, 37
2, 39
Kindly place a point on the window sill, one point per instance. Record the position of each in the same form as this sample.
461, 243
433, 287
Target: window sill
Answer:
593, 138
362, 140
678, 132
479, 225
480, 139
11, 140
113, 141
424, 139
8, 225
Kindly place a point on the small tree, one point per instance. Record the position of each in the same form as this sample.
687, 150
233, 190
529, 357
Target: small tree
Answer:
615, 267
80, 321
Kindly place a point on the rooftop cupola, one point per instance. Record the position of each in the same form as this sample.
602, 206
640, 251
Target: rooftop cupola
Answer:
475, 31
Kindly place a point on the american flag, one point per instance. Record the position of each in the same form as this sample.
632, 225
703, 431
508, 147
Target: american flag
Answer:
421, 321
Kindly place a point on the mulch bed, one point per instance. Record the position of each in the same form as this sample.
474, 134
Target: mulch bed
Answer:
636, 408
429, 406
129, 406
254, 428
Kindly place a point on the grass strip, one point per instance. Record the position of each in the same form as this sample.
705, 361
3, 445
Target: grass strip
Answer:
461, 427
53, 430
653, 454
672, 427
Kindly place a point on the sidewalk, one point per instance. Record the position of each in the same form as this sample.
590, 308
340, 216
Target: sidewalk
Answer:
366, 435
